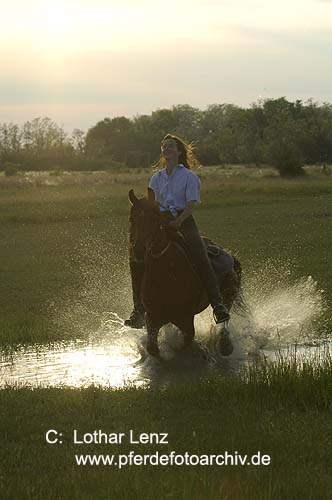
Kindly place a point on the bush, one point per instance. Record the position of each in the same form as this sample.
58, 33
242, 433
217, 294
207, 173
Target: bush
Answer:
287, 158
11, 169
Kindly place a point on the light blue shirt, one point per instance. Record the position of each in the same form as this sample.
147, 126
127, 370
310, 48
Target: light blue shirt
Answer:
173, 192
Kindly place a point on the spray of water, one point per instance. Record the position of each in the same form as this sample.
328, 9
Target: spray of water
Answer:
280, 312
102, 283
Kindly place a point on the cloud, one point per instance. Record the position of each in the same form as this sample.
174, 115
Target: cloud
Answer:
210, 52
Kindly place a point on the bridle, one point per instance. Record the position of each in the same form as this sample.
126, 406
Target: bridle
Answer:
149, 249
152, 243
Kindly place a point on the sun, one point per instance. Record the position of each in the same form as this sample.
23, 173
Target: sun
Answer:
54, 26
56, 19
66, 25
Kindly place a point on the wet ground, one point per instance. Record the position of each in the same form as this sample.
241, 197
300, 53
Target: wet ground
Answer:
115, 355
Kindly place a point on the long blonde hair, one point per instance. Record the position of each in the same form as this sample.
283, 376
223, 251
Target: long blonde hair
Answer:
186, 154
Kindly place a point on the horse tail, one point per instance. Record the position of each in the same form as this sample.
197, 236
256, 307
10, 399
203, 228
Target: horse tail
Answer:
238, 268
240, 303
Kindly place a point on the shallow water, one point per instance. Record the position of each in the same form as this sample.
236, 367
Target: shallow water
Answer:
114, 357
276, 321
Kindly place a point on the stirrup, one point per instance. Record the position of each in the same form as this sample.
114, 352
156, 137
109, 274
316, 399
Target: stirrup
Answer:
220, 314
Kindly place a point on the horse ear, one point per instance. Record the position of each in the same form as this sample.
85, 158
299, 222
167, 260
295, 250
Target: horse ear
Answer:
132, 197
151, 195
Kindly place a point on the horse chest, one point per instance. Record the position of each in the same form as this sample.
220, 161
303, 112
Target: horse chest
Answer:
170, 281
171, 272
167, 273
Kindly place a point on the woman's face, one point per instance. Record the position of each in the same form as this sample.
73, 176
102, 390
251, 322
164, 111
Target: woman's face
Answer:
169, 150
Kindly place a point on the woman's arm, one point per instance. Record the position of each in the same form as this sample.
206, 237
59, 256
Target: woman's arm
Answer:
176, 224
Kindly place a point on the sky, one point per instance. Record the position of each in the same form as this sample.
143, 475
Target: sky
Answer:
79, 61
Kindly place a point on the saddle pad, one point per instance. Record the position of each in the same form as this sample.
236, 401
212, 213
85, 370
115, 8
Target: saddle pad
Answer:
222, 261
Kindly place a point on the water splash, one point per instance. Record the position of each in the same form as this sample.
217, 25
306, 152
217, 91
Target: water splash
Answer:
280, 314
289, 314
103, 283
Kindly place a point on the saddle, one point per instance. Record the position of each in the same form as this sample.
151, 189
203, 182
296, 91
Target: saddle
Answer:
221, 260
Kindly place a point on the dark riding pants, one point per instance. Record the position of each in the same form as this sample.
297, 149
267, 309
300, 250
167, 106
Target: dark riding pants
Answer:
200, 259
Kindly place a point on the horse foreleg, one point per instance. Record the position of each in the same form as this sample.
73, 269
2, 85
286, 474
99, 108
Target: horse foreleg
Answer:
224, 342
152, 341
186, 325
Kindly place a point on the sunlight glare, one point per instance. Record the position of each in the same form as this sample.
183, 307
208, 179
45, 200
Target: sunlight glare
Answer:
54, 25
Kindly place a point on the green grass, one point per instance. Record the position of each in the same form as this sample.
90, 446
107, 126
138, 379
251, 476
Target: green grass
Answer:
63, 242
64, 261
282, 411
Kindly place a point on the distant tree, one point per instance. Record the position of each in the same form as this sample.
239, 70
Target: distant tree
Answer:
211, 123
37, 144
42, 135
145, 145
252, 152
317, 147
163, 121
98, 139
283, 137
274, 131
188, 122
78, 140
10, 140
227, 146
110, 139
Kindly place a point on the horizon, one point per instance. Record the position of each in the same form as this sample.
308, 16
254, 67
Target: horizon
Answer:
69, 131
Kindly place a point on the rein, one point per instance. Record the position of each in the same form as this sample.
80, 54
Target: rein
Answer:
154, 241
138, 261
162, 252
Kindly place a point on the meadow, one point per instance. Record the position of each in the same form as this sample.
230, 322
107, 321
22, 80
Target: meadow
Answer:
285, 413
63, 263
64, 240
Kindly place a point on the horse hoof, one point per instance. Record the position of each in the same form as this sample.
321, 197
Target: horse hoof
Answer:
187, 342
225, 344
152, 348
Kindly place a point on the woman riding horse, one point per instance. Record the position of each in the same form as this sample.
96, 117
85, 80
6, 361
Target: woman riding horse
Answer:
177, 191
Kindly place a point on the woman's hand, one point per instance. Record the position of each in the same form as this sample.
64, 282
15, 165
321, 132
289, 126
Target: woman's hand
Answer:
175, 224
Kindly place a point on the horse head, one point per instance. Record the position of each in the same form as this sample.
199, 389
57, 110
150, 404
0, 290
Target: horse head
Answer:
145, 222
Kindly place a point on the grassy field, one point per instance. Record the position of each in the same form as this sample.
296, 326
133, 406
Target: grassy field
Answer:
284, 413
63, 241
63, 250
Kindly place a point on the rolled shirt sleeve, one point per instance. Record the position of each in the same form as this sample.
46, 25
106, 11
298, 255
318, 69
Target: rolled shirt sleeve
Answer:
193, 188
153, 184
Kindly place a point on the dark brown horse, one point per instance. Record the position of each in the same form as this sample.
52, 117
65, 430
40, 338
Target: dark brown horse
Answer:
171, 290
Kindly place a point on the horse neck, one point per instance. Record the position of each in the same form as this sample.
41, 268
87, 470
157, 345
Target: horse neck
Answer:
159, 242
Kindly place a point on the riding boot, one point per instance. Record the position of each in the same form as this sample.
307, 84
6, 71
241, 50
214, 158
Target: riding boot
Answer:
136, 318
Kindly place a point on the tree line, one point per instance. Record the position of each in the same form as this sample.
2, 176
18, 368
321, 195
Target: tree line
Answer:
286, 135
